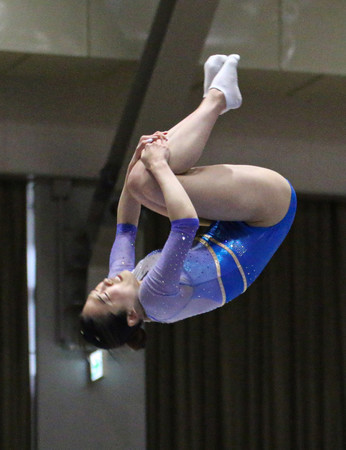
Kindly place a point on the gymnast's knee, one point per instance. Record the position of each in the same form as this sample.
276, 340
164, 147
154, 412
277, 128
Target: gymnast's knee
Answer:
137, 180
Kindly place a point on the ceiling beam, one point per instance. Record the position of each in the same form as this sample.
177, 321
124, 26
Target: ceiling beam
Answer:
159, 91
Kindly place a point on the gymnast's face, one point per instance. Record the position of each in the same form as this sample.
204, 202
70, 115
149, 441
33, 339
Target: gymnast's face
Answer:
113, 295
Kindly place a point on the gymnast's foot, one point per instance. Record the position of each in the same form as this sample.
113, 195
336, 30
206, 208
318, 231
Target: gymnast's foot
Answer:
226, 81
211, 67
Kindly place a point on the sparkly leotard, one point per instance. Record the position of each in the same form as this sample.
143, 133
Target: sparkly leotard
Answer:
193, 276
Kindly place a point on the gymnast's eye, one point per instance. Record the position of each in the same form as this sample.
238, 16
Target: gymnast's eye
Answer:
100, 298
106, 300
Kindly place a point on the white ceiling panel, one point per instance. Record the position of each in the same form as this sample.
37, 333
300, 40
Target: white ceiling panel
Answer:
44, 26
250, 28
119, 29
293, 35
314, 36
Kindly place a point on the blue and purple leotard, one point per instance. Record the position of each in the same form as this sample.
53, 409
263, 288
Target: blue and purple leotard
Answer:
193, 275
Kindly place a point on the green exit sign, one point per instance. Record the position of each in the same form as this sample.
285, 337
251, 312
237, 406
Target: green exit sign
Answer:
96, 365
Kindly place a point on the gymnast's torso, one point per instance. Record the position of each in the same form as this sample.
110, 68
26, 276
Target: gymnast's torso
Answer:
197, 290
193, 274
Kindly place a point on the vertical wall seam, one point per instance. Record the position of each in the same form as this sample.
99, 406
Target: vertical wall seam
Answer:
88, 29
280, 33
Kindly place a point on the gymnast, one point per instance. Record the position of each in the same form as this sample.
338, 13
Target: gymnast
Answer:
251, 210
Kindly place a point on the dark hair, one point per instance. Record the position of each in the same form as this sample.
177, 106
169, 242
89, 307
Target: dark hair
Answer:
112, 331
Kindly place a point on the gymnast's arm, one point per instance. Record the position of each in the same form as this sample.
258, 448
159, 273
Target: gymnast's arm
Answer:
155, 157
128, 208
163, 278
122, 255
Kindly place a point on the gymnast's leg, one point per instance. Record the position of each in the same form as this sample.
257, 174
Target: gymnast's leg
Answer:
223, 192
188, 138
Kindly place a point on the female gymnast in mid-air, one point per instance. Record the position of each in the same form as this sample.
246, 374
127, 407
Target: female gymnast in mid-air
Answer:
251, 209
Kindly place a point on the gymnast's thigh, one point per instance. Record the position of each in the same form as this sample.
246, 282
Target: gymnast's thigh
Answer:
227, 192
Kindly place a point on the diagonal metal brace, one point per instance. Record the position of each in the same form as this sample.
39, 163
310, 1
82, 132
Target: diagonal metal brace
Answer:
109, 173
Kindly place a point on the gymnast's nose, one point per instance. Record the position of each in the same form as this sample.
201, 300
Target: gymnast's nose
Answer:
108, 281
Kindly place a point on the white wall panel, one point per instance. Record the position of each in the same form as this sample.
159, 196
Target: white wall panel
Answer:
248, 27
314, 36
294, 35
119, 29
44, 26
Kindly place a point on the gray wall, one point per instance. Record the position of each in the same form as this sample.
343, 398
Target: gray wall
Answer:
72, 412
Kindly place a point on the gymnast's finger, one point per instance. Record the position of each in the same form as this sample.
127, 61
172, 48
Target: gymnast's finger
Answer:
143, 139
161, 135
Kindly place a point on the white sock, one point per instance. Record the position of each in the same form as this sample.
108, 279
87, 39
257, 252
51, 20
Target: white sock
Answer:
211, 67
226, 81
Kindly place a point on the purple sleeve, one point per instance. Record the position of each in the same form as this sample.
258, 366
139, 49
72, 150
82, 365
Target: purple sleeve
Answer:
122, 255
163, 279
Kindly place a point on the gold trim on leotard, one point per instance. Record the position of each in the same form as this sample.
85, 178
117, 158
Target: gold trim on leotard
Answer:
217, 265
234, 256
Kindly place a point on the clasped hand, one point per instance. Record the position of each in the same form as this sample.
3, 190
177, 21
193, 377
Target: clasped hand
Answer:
150, 149
154, 153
